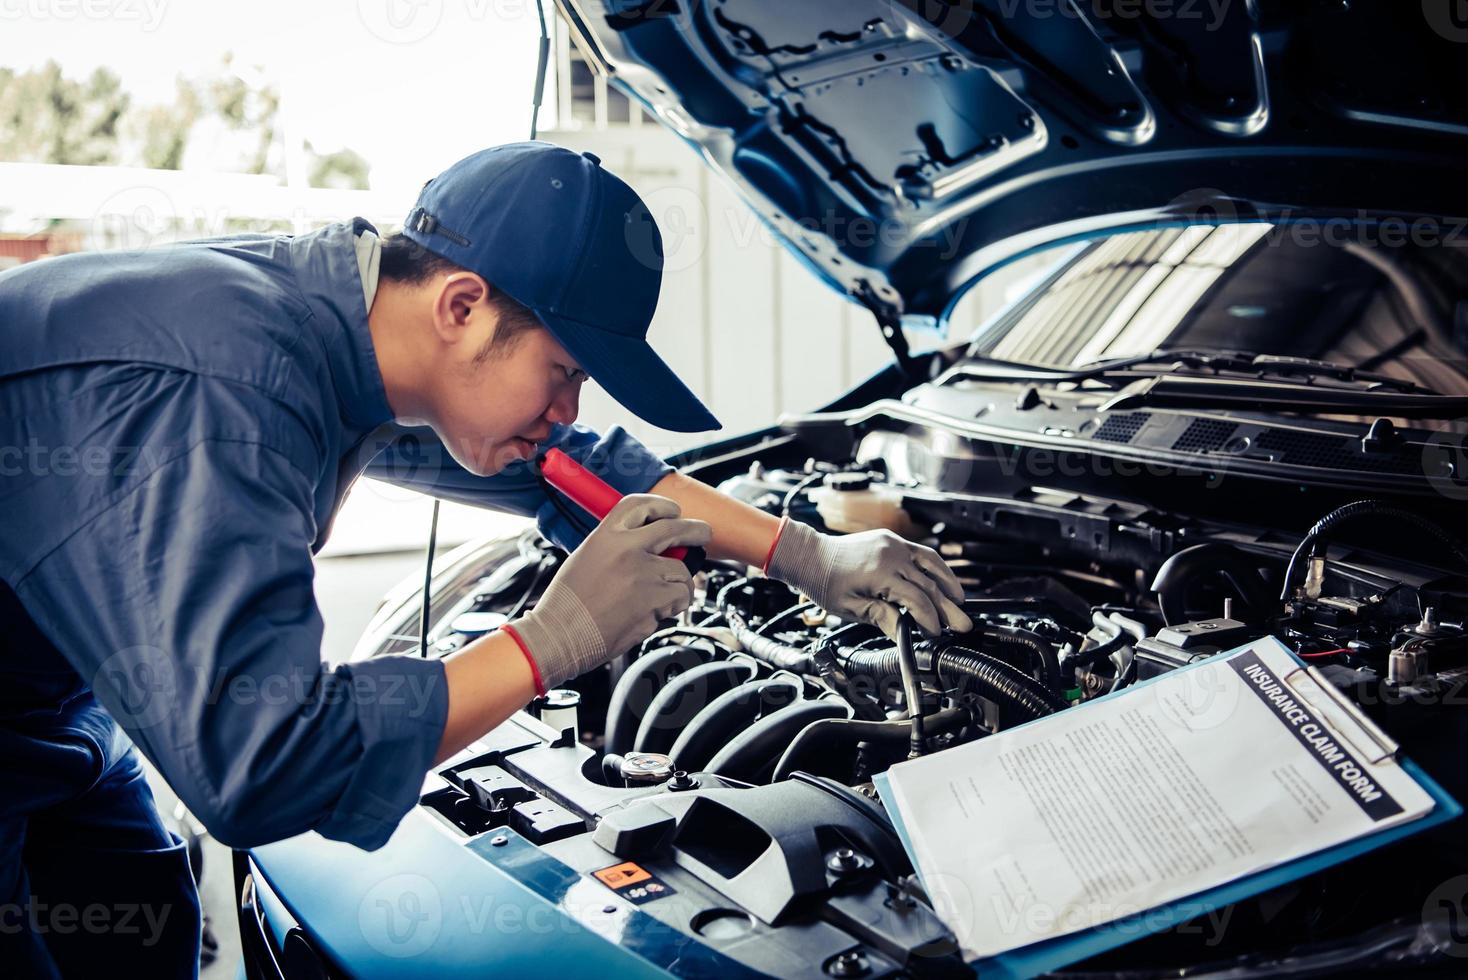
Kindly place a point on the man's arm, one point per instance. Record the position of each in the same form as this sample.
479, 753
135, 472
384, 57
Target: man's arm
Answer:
188, 606
415, 458
488, 680
871, 576
608, 596
741, 532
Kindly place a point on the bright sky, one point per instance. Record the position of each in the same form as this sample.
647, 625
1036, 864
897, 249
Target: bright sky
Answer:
412, 85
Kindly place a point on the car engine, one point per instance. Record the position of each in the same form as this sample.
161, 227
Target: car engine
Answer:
725, 767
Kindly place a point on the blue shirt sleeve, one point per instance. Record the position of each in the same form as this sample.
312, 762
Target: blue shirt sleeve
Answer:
414, 457
188, 606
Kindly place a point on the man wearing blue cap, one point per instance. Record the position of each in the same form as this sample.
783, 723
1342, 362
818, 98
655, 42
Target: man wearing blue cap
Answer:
177, 429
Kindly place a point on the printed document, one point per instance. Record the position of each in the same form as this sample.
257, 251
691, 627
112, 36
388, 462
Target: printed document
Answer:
1176, 786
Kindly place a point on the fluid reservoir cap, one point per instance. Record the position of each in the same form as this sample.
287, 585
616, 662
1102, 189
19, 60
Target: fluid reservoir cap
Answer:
646, 768
560, 697
848, 481
478, 623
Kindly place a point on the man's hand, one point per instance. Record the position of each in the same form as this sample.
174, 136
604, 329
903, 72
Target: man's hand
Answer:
613, 590
869, 576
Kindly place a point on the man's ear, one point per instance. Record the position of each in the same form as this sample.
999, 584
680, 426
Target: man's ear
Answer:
461, 295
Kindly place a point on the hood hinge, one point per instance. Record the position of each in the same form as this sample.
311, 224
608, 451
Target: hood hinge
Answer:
889, 322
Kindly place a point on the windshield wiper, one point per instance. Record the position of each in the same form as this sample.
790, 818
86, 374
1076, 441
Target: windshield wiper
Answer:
1246, 362
995, 369
1186, 391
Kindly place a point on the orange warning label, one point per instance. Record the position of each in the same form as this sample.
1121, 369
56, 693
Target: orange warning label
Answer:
622, 875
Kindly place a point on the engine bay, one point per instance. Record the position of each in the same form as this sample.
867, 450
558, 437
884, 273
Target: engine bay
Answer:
724, 769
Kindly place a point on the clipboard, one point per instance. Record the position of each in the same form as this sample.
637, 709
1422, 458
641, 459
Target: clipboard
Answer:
1052, 954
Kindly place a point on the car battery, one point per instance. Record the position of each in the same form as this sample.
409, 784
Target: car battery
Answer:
1177, 646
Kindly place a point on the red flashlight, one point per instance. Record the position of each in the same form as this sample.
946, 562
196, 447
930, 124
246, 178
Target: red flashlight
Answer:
593, 494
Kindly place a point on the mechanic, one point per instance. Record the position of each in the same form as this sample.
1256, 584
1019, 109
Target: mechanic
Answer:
177, 428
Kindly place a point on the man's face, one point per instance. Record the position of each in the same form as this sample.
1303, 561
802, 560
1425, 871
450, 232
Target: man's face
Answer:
493, 408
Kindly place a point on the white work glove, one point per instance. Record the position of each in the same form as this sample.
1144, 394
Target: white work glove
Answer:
868, 576
613, 590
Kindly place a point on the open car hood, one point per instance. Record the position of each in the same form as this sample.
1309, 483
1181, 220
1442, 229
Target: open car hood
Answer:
904, 147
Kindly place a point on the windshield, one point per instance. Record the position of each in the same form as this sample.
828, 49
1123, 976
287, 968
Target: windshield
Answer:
1252, 287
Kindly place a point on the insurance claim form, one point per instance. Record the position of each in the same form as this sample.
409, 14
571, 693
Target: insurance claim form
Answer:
1144, 798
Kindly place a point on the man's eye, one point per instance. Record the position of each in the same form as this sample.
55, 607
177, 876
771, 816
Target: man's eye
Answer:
574, 374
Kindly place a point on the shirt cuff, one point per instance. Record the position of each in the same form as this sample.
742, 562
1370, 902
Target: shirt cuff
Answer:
402, 705
514, 634
769, 555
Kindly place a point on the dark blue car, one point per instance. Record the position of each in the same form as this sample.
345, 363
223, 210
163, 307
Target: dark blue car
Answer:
1231, 406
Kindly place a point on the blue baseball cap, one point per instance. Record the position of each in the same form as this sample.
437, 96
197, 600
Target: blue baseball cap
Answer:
574, 244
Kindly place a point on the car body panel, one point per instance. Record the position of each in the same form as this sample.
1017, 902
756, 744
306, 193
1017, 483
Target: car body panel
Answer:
903, 149
426, 904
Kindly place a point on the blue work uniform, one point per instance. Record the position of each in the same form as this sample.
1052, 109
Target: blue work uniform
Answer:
178, 427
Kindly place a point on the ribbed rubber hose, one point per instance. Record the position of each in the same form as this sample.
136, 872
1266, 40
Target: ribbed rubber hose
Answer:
683, 697
996, 679
779, 655
729, 714
748, 755
1011, 685
821, 737
638, 686
1365, 508
1040, 651
1104, 649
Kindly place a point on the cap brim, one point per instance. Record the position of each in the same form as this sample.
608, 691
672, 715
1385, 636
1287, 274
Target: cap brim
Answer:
632, 373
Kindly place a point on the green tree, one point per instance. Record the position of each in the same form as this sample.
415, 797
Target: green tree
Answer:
46, 117
244, 106
161, 132
345, 169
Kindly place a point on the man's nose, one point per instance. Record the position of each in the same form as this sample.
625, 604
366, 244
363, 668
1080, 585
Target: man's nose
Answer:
565, 406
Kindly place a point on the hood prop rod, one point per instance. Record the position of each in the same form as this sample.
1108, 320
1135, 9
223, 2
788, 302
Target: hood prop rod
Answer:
890, 324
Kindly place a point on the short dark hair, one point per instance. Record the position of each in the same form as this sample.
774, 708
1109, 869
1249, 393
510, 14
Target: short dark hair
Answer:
405, 261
